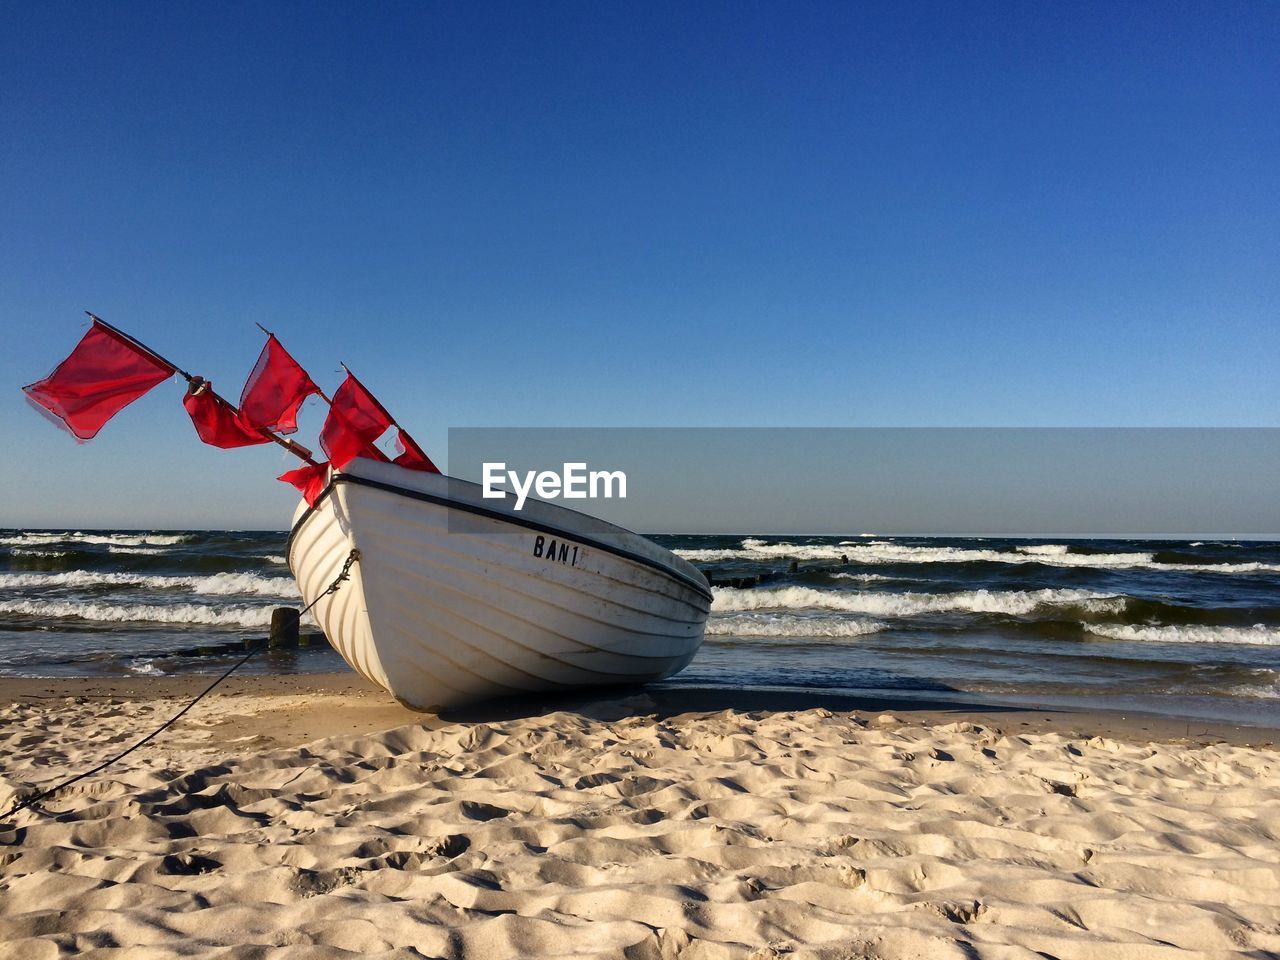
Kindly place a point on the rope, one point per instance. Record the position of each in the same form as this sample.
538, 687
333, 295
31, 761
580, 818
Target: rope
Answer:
345, 574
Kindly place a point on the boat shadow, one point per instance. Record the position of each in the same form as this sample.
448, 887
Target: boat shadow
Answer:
667, 701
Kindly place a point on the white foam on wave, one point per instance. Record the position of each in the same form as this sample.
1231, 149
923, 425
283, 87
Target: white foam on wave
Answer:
1258, 691
274, 558
34, 552
24, 538
231, 584
218, 584
120, 539
1045, 549
1012, 602
883, 552
869, 577
178, 613
1257, 635
135, 540
788, 625
146, 551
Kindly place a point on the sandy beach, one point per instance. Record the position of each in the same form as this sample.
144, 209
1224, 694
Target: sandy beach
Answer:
311, 817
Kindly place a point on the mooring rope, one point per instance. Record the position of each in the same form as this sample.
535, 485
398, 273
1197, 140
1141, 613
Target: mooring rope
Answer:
345, 574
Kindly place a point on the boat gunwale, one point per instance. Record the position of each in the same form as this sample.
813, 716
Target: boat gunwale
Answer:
498, 515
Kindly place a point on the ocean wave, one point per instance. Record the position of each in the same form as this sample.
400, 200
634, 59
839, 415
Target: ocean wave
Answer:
121, 539
883, 552
135, 540
1011, 602
182, 613
1256, 691
1256, 635
232, 584
218, 584
274, 558
31, 538
786, 625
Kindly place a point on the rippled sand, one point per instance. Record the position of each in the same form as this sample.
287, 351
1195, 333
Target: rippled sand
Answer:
762, 834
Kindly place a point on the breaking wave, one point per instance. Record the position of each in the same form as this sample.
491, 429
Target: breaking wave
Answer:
876, 552
1258, 691
1256, 635
32, 539
1012, 602
788, 625
218, 584
1046, 550
121, 539
193, 613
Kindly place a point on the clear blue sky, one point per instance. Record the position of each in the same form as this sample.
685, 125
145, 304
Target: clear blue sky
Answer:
634, 214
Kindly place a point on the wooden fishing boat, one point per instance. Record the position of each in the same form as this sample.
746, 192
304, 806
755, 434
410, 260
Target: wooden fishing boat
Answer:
457, 597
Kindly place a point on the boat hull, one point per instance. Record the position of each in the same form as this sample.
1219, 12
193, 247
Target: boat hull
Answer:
457, 598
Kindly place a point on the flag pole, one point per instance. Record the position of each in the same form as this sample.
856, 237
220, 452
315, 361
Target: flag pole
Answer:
140, 345
295, 448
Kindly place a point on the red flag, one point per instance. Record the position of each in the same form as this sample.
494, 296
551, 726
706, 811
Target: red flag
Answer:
412, 456
356, 419
275, 390
342, 442
104, 373
310, 481
217, 422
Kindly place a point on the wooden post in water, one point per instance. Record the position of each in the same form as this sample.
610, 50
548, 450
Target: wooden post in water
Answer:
284, 627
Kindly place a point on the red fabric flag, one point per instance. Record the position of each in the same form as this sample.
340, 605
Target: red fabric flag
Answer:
355, 421
342, 442
412, 456
310, 481
217, 422
104, 373
275, 390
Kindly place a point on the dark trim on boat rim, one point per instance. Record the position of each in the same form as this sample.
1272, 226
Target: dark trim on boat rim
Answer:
496, 515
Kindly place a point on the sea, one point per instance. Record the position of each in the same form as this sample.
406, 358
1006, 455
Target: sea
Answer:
1175, 627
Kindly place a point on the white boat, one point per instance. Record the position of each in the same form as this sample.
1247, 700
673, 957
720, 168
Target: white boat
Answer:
456, 597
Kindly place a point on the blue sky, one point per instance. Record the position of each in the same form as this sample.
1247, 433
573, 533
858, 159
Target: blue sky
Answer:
634, 214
